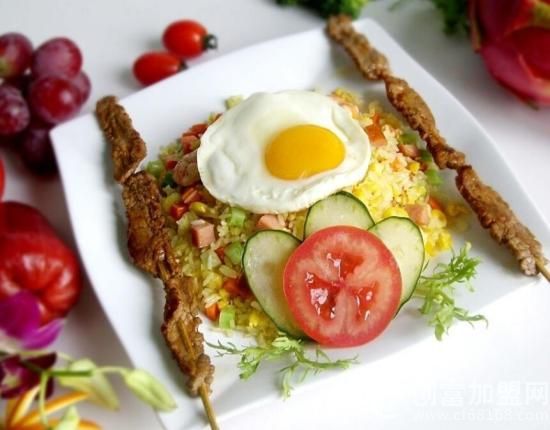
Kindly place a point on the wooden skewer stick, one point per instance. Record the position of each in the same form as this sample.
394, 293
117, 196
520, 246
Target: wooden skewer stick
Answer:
203, 391
543, 270
210, 414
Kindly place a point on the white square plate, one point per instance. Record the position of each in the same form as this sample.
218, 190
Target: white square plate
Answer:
134, 302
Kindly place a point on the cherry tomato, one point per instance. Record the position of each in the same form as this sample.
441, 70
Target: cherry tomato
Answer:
152, 67
343, 286
2, 178
188, 39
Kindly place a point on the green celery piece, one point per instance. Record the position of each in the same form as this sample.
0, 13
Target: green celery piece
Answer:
426, 156
155, 168
234, 252
408, 138
226, 320
433, 177
237, 217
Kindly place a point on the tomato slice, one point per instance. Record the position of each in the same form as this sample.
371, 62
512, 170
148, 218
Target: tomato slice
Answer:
343, 286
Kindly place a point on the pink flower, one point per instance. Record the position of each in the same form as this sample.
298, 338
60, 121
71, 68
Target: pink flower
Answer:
20, 324
513, 37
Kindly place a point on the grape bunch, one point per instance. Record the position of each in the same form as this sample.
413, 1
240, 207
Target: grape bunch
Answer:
38, 89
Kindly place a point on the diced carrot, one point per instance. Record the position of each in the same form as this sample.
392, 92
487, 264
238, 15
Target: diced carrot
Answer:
190, 195
220, 252
189, 142
269, 221
419, 213
434, 203
236, 287
178, 209
375, 134
198, 129
212, 312
170, 164
409, 150
202, 233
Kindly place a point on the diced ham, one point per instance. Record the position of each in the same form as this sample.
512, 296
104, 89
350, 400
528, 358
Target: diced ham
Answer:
186, 171
419, 213
202, 233
409, 150
269, 222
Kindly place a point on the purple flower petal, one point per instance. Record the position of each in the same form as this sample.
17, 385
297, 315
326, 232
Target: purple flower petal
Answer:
43, 336
20, 320
14, 378
19, 315
44, 361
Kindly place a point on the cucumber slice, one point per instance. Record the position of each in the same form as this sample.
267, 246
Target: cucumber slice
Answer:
339, 209
264, 259
404, 239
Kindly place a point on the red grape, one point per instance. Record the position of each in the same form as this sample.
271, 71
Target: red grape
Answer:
21, 82
59, 56
15, 55
82, 82
14, 111
54, 99
36, 151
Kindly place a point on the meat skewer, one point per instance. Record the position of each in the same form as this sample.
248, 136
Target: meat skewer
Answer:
491, 209
150, 249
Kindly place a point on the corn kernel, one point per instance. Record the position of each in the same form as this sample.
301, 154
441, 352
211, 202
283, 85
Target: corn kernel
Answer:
444, 241
455, 209
438, 219
414, 166
223, 303
346, 96
430, 248
395, 211
254, 319
215, 281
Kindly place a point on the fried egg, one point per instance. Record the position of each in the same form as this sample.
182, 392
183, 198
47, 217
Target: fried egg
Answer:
282, 152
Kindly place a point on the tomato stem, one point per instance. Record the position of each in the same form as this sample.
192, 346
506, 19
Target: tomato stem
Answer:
209, 42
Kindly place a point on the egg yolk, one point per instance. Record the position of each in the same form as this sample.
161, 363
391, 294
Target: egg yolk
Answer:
303, 151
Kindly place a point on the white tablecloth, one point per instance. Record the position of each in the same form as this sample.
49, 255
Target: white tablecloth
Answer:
473, 377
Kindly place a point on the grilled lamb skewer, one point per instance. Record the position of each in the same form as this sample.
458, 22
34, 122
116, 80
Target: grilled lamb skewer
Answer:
491, 209
150, 249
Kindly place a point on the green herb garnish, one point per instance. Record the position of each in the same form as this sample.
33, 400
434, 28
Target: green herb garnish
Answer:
282, 348
437, 292
327, 8
455, 15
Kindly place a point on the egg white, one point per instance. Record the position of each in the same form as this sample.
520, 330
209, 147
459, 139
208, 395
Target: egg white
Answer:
231, 156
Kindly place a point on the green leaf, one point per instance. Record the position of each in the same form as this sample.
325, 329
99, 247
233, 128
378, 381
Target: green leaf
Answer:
286, 349
438, 289
148, 389
69, 421
97, 386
